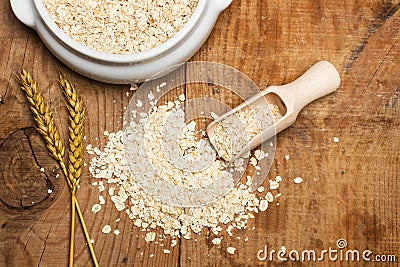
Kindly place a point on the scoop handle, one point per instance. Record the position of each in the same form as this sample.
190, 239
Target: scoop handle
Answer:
318, 81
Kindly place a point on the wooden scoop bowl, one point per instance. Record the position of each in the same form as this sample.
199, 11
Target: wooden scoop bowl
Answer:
320, 80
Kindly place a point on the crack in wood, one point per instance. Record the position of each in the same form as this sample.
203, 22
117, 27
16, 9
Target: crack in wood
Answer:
377, 22
388, 12
27, 233
13, 75
44, 247
49, 184
376, 70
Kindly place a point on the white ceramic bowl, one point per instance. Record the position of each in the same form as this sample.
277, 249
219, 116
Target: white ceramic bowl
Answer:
129, 68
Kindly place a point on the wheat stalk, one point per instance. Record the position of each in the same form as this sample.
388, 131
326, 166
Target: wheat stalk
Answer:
77, 114
75, 155
44, 120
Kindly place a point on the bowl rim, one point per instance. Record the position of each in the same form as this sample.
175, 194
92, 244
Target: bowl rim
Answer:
121, 58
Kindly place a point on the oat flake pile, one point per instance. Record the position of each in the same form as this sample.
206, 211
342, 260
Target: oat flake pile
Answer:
233, 210
121, 26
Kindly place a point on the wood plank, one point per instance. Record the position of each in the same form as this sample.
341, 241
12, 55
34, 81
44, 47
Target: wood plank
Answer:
351, 188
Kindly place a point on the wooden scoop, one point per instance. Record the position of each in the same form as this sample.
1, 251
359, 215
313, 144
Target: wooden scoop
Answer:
320, 80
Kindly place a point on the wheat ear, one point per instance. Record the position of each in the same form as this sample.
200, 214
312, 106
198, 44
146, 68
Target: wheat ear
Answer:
76, 118
45, 125
44, 120
77, 114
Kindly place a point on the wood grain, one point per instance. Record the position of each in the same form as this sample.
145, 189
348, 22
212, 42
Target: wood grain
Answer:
351, 189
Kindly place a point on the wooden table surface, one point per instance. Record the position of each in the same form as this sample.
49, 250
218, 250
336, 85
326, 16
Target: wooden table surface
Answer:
351, 189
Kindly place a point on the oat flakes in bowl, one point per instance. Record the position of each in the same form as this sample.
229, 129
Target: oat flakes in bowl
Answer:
122, 26
121, 64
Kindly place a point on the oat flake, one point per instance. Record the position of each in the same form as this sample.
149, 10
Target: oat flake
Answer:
231, 250
106, 229
216, 241
96, 208
298, 180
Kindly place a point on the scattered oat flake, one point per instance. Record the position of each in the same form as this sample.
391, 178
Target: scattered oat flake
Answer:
102, 201
42, 169
49, 191
231, 250
111, 191
96, 208
269, 197
116, 232
213, 115
150, 236
166, 251
139, 103
253, 161
261, 189
273, 185
259, 154
106, 229
101, 188
336, 139
287, 157
263, 205
173, 242
134, 87
97, 151
298, 180
182, 97
216, 241
150, 96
